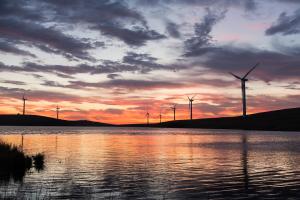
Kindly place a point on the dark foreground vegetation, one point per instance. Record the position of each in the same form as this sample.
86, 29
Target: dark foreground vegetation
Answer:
280, 120
14, 163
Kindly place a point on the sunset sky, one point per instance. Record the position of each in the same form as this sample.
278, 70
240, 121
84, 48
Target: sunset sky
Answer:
111, 61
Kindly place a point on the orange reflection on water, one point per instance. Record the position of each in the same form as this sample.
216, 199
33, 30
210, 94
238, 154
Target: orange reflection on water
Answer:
122, 147
135, 160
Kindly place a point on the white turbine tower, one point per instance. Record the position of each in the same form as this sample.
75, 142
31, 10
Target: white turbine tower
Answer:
243, 85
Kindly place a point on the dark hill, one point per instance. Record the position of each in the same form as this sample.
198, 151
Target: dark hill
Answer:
35, 120
279, 120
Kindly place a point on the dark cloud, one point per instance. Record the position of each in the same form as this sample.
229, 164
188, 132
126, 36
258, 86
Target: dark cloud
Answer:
52, 84
65, 71
173, 30
132, 62
14, 82
8, 47
20, 8
286, 25
38, 95
39, 35
27, 22
137, 36
94, 11
293, 86
114, 111
126, 84
143, 62
142, 84
262, 102
211, 82
109, 17
202, 38
246, 4
113, 76
60, 70
274, 65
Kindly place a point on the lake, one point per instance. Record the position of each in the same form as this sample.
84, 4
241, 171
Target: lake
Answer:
148, 163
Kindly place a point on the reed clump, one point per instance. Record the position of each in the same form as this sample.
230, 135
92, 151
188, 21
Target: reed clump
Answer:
38, 161
14, 163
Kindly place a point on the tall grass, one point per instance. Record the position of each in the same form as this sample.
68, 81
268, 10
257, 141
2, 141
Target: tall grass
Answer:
14, 163
38, 161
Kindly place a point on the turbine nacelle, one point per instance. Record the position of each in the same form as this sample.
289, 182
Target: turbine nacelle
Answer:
191, 99
244, 78
173, 107
23, 98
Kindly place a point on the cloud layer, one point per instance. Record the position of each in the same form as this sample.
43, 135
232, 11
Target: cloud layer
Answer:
107, 58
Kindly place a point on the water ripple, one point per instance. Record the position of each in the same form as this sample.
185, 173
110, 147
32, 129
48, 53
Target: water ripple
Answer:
109, 163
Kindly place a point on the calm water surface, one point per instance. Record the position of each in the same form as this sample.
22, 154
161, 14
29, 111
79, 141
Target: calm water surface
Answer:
141, 163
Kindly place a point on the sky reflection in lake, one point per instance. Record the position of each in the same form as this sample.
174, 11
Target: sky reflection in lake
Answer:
136, 163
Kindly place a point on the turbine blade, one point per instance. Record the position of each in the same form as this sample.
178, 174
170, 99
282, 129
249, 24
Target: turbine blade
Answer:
235, 75
250, 70
194, 97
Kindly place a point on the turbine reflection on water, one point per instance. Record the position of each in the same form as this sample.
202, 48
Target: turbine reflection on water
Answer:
162, 164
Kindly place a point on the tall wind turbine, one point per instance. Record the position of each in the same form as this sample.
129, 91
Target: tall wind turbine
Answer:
24, 102
191, 106
174, 111
243, 85
57, 112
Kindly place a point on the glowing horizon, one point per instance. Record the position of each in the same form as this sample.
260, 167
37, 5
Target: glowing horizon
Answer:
111, 61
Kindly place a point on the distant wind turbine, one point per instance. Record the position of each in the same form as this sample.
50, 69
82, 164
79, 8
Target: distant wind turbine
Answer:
57, 112
191, 106
24, 103
243, 85
160, 115
174, 111
147, 115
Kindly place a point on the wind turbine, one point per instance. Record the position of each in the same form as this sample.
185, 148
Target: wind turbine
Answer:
57, 112
147, 115
174, 110
160, 115
24, 101
191, 106
243, 85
